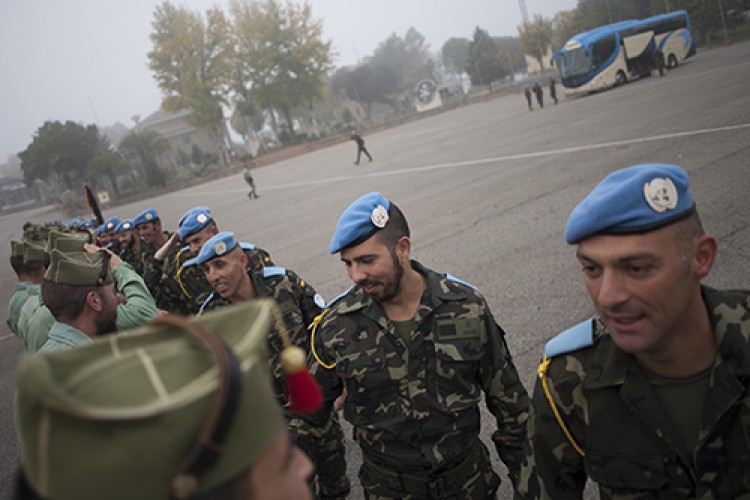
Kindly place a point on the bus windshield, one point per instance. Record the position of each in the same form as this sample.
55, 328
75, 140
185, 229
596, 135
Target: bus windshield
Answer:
573, 63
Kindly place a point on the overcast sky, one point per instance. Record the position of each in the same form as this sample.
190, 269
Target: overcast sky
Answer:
85, 60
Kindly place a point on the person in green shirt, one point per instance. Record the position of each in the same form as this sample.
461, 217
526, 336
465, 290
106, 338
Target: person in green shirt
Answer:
28, 263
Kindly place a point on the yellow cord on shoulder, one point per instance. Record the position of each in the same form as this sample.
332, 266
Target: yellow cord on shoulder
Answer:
179, 267
314, 328
542, 372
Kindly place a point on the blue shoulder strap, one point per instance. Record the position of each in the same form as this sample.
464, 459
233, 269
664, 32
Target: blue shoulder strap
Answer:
273, 271
246, 246
338, 297
185, 248
205, 303
453, 278
572, 339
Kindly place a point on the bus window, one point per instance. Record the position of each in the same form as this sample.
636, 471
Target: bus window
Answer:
602, 50
573, 63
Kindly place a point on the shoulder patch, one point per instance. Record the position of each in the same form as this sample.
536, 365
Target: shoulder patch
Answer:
572, 339
450, 277
268, 272
246, 246
338, 297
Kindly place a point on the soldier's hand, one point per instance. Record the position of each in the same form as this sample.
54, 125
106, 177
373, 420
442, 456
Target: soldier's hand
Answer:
114, 259
167, 248
339, 403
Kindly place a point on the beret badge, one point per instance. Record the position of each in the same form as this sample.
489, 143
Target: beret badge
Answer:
202, 218
220, 248
379, 216
660, 194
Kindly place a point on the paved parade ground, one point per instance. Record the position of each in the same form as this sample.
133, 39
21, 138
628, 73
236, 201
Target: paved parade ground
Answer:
486, 189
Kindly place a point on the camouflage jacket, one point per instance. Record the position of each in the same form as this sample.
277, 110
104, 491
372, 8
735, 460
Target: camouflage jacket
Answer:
298, 303
631, 448
415, 408
183, 290
137, 260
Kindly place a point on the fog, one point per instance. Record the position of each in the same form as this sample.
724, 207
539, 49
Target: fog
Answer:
85, 60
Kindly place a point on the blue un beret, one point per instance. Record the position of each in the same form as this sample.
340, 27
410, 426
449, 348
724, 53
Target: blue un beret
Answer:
194, 220
124, 225
633, 200
218, 245
360, 220
111, 223
148, 215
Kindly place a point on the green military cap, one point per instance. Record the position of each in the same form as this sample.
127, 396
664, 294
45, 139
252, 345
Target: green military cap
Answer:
16, 248
119, 418
32, 252
65, 242
78, 268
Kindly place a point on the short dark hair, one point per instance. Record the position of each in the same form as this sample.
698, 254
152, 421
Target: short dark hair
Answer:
16, 262
65, 302
396, 228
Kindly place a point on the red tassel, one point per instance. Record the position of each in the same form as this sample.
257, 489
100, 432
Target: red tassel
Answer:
303, 392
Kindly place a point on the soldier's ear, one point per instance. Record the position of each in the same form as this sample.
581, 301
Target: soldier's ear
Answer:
403, 248
703, 255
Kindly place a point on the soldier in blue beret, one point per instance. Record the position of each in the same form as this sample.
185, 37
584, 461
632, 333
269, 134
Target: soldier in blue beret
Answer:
184, 289
106, 233
649, 399
414, 350
131, 247
153, 237
225, 266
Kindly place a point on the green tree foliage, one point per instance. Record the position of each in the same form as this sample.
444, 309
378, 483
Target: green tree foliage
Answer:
108, 164
62, 151
484, 63
455, 52
367, 84
279, 58
535, 38
407, 58
190, 62
146, 146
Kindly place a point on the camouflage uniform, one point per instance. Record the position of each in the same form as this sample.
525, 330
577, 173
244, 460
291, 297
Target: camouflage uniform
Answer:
415, 408
631, 447
299, 304
137, 260
183, 290
152, 268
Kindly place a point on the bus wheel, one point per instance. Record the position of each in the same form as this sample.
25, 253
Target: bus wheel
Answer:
620, 78
672, 61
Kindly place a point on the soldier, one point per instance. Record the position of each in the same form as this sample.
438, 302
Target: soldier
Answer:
81, 291
148, 226
177, 409
106, 233
131, 248
414, 350
651, 398
183, 290
35, 260
225, 266
28, 279
356, 137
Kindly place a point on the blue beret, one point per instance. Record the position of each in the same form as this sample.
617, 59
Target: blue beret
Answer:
360, 220
148, 215
633, 200
218, 245
125, 225
111, 223
194, 220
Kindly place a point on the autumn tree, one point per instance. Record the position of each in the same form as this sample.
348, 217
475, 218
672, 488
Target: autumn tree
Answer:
535, 37
565, 24
455, 51
279, 58
190, 62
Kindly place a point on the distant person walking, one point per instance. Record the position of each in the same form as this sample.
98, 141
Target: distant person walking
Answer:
250, 182
552, 90
360, 146
539, 94
527, 93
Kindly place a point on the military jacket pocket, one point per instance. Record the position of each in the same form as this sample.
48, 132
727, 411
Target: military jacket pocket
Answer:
372, 394
622, 474
457, 369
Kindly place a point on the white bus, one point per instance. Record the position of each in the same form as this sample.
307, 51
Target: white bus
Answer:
611, 55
